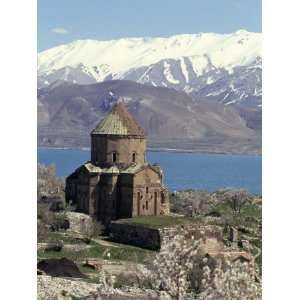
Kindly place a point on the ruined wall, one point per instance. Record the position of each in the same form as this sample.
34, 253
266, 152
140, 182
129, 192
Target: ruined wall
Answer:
144, 237
209, 236
102, 148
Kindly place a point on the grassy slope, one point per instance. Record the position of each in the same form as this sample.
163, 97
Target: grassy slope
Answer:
157, 221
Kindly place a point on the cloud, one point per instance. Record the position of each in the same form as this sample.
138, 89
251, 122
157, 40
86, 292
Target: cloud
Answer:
60, 30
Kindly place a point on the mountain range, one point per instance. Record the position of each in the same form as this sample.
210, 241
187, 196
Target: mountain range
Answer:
67, 112
202, 90
224, 67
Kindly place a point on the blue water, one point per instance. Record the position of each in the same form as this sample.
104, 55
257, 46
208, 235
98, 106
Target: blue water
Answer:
182, 170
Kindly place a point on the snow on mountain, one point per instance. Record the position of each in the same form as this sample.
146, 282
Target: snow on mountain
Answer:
243, 86
188, 62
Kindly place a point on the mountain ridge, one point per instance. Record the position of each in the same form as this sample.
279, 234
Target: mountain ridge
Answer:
67, 112
187, 62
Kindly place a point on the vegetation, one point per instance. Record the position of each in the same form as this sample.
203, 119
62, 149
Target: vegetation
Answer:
236, 199
226, 208
158, 221
80, 251
90, 230
180, 269
48, 184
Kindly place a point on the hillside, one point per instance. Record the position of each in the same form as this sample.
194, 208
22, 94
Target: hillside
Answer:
67, 112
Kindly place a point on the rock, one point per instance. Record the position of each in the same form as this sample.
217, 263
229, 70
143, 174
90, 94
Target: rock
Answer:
244, 244
76, 221
62, 267
65, 224
164, 296
213, 213
54, 247
60, 224
57, 206
233, 235
54, 288
54, 204
39, 272
94, 265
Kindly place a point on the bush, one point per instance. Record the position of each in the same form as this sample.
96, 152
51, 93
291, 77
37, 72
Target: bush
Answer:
48, 183
54, 247
59, 222
90, 229
180, 267
42, 231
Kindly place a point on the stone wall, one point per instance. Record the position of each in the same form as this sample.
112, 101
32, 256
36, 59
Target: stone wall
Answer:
102, 148
154, 238
210, 236
135, 235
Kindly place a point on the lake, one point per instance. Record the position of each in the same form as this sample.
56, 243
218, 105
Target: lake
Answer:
182, 170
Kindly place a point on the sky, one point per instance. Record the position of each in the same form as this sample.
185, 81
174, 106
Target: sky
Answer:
63, 21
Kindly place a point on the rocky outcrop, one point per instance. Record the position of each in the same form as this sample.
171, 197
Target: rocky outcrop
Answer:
55, 288
77, 220
62, 267
60, 288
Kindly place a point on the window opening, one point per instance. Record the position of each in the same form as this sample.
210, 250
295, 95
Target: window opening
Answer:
162, 198
114, 156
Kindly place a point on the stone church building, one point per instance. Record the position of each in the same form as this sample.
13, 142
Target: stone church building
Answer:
118, 182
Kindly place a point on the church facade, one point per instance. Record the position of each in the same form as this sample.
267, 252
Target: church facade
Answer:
118, 182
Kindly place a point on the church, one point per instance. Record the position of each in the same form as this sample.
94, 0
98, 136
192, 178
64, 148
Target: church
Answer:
118, 182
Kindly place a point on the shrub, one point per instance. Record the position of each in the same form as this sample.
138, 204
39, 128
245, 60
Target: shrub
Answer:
236, 199
180, 267
90, 229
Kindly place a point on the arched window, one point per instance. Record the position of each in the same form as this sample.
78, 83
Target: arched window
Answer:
147, 205
133, 157
147, 190
114, 156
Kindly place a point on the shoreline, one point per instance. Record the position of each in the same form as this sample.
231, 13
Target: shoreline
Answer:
168, 150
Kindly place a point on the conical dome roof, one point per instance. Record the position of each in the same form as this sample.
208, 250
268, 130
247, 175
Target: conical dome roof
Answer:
119, 122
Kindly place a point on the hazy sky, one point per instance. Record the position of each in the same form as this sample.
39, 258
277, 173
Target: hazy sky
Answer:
62, 21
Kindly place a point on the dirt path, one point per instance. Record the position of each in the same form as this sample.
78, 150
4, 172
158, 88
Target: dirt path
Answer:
105, 243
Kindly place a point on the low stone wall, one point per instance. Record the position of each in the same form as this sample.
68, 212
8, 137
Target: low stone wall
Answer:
136, 235
209, 236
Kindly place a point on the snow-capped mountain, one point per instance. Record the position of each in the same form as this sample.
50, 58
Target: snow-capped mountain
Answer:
223, 67
243, 86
